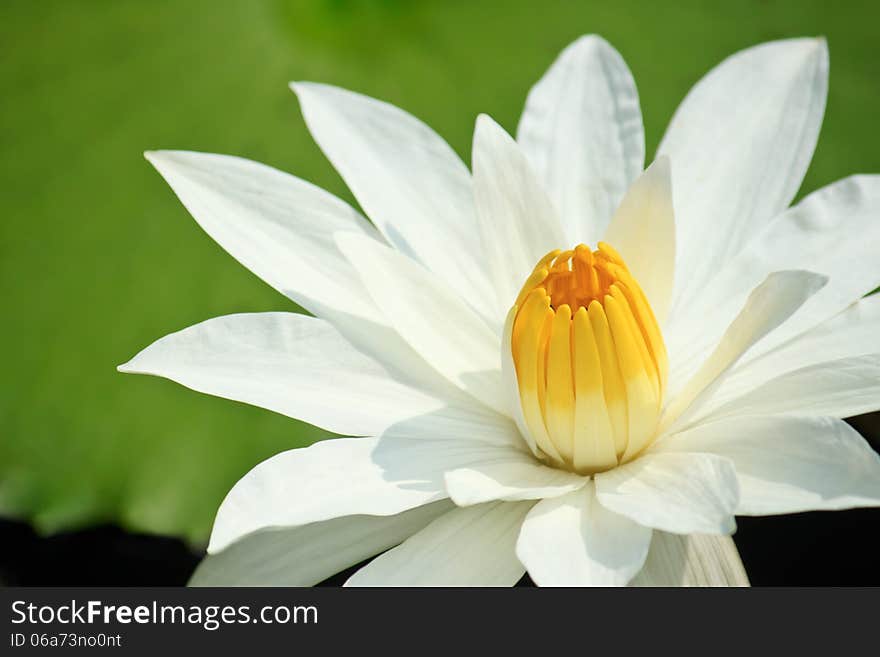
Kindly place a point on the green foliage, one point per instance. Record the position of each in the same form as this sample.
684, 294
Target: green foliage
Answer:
98, 259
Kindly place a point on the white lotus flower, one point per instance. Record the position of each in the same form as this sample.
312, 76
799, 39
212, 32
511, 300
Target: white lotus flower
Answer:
588, 416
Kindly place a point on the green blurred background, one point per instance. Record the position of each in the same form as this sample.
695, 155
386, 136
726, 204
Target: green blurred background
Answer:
98, 259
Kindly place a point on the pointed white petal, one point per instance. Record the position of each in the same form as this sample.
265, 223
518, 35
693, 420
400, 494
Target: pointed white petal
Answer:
574, 541
517, 221
769, 305
306, 555
342, 477
740, 143
833, 231
643, 232
516, 475
470, 546
837, 388
276, 225
292, 364
281, 228
431, 317
789, 464
692, 560
330, 479
849, 334
679, 493
407, 179
582, 132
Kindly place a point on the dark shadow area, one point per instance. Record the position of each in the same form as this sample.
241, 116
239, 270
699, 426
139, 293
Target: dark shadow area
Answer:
833, 548
822, 548
99, 556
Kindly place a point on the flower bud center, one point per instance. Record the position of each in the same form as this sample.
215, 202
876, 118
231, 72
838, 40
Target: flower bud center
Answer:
590, 360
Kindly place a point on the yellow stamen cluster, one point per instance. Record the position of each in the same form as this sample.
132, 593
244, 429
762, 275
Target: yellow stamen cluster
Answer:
590, 360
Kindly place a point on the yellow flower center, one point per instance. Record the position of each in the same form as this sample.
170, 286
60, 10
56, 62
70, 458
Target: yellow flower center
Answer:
590, 360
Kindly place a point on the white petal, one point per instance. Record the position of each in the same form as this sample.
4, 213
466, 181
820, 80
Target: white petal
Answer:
789, 464
740, 143
332, 478
582, 132
292, 364
574, 541
276, 225
342, 477
306, 555
849, 334
431, 317
679, 493
517, 221
407, 179
837, 388
692, 560
470, 546
515, 475
461, 420
643, 232
281, 228
833, 231
769, 305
